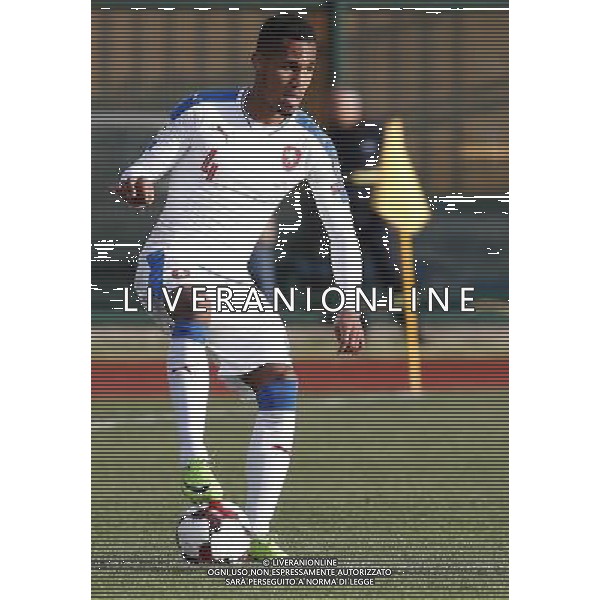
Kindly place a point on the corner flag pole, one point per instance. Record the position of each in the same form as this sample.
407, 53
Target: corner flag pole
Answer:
399, 199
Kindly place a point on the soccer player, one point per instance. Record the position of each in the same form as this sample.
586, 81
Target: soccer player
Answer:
232, 156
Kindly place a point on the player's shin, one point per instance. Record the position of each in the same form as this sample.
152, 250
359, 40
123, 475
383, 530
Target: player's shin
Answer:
189, 380
270, 452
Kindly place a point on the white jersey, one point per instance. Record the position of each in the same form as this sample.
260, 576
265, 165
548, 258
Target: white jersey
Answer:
229, 173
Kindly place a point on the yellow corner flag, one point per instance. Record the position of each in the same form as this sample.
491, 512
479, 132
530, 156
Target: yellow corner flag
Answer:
399, 199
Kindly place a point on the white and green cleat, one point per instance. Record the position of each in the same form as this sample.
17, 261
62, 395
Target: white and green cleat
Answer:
200, 485
264, 548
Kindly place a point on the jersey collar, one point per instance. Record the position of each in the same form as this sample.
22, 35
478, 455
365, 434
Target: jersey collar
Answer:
267, 129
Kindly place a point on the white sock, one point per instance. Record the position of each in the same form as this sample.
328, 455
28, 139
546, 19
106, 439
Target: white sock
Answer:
189, 379
269, 457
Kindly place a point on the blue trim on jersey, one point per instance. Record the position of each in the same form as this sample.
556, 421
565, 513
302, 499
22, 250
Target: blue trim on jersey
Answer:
309, 124
185, 328
156, 261
208, 96
278, 395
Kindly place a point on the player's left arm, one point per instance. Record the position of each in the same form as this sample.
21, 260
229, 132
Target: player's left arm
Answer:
329, 191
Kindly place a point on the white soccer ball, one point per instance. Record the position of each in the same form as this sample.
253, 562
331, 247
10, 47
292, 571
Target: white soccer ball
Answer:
216, 532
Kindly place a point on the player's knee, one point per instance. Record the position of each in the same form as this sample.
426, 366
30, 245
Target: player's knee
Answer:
278, 395
275, 385
267, 373
190, 329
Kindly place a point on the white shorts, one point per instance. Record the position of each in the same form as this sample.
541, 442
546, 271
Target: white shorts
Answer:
240, 341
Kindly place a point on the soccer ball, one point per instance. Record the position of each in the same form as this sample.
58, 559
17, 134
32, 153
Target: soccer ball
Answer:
216, 532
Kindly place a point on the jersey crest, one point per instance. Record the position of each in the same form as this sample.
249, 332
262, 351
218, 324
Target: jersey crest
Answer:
291, 157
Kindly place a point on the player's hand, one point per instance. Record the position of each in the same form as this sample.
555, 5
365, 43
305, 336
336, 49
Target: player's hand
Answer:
349, 332
135, 191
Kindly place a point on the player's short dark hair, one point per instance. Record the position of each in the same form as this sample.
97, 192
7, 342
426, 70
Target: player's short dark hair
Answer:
279, 27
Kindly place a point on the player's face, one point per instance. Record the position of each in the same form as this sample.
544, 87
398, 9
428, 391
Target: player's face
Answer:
286, 74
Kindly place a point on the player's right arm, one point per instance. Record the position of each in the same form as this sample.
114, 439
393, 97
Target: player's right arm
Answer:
327, 185
136, 185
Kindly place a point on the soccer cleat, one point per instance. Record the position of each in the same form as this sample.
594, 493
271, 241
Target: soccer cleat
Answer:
200, 486
264, 548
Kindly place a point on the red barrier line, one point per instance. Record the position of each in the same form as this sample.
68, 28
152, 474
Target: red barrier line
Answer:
147, 378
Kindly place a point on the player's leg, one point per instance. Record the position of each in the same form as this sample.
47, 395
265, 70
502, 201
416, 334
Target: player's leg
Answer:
187, 371
189, 385
188, 375
270, 448
253, 352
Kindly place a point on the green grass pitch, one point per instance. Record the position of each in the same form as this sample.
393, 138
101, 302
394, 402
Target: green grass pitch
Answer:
416, 484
